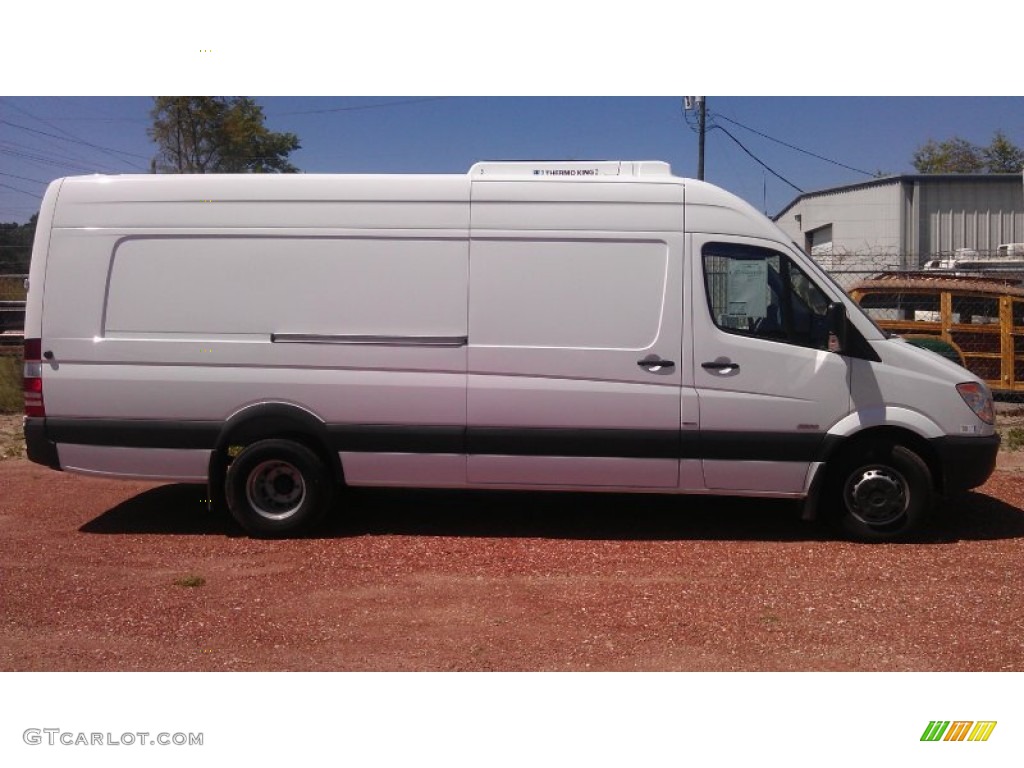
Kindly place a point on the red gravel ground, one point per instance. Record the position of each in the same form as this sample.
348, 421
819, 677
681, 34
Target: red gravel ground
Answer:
94, 575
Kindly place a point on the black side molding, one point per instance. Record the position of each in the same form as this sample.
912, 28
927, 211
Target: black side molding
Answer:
132, 433
476, 440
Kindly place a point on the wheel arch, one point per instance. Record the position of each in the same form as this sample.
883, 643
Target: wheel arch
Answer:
837, 448
269, 420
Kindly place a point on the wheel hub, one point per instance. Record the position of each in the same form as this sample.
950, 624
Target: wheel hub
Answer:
275, 489
877, 496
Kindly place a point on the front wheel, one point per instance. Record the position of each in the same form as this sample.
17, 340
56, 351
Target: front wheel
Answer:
880, 492
277, 488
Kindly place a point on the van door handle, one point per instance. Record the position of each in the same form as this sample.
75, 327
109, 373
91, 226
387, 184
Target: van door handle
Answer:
653, 363
725, 367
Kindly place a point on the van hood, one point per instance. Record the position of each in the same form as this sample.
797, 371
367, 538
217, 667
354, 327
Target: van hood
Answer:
900, 352
919, 384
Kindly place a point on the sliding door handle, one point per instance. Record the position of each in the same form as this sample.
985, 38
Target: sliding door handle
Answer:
655, 363
719, 365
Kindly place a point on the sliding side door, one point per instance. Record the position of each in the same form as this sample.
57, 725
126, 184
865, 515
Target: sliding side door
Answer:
575, 352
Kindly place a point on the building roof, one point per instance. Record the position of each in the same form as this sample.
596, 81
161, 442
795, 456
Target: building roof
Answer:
931, 281
906, 178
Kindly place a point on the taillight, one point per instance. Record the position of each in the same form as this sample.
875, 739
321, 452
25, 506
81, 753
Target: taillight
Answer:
33, 378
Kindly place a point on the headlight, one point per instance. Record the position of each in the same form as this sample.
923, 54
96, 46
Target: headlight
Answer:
979, 400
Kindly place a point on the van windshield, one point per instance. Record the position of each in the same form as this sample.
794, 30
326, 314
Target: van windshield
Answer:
851, 306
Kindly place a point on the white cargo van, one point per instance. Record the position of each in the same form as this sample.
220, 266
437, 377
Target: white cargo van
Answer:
528, 325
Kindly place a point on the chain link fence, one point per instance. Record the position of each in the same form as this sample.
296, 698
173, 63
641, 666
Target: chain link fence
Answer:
964, 306
12, 312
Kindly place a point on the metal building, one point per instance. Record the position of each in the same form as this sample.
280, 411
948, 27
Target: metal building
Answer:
901, 221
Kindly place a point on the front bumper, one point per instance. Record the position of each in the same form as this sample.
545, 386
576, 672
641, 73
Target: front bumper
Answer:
966, 462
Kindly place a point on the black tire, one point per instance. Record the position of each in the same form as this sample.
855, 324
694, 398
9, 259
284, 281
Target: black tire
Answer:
880, 492
278, 488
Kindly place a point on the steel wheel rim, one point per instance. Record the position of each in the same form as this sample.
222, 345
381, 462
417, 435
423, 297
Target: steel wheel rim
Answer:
275, 489
877, 495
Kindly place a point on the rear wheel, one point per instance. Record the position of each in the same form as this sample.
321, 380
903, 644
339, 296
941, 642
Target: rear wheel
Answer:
278, 488
880, 492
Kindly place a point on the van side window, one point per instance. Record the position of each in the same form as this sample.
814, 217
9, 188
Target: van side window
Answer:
762, 293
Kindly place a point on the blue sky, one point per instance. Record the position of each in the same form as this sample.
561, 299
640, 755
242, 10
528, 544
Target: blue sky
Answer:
42, 138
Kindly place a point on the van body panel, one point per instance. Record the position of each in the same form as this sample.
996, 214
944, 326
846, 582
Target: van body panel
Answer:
711, 210
426, 470
255, 201
782, 477
215, 392
910, 380
571, 403
37, 266
168, 284
179, 465
878, 415
576, 206
161, 284
569, 471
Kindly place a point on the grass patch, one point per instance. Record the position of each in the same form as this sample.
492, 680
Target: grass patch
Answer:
190, 581
11, 398
12, 438
1014, 440
12, 288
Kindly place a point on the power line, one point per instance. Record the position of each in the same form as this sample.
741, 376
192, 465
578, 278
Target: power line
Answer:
71, 136
23, 178
756, 159
792, 146
76, 141
60, 152
760, 162
51, 154
23, 191
37, 159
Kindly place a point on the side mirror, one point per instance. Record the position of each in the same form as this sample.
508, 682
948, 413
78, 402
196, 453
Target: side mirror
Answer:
835, 319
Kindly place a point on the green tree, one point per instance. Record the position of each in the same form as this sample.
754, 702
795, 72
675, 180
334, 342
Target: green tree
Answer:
208, 134
1002, 156
16, 245
957, 155
954, 155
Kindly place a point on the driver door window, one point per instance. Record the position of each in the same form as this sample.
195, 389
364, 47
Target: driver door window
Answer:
761, 293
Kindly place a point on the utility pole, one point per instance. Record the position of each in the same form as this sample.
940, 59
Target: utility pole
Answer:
689, 102
702, 102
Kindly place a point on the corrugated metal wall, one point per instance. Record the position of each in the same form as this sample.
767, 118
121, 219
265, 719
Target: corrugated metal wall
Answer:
966, 214
903, 220
863, 224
